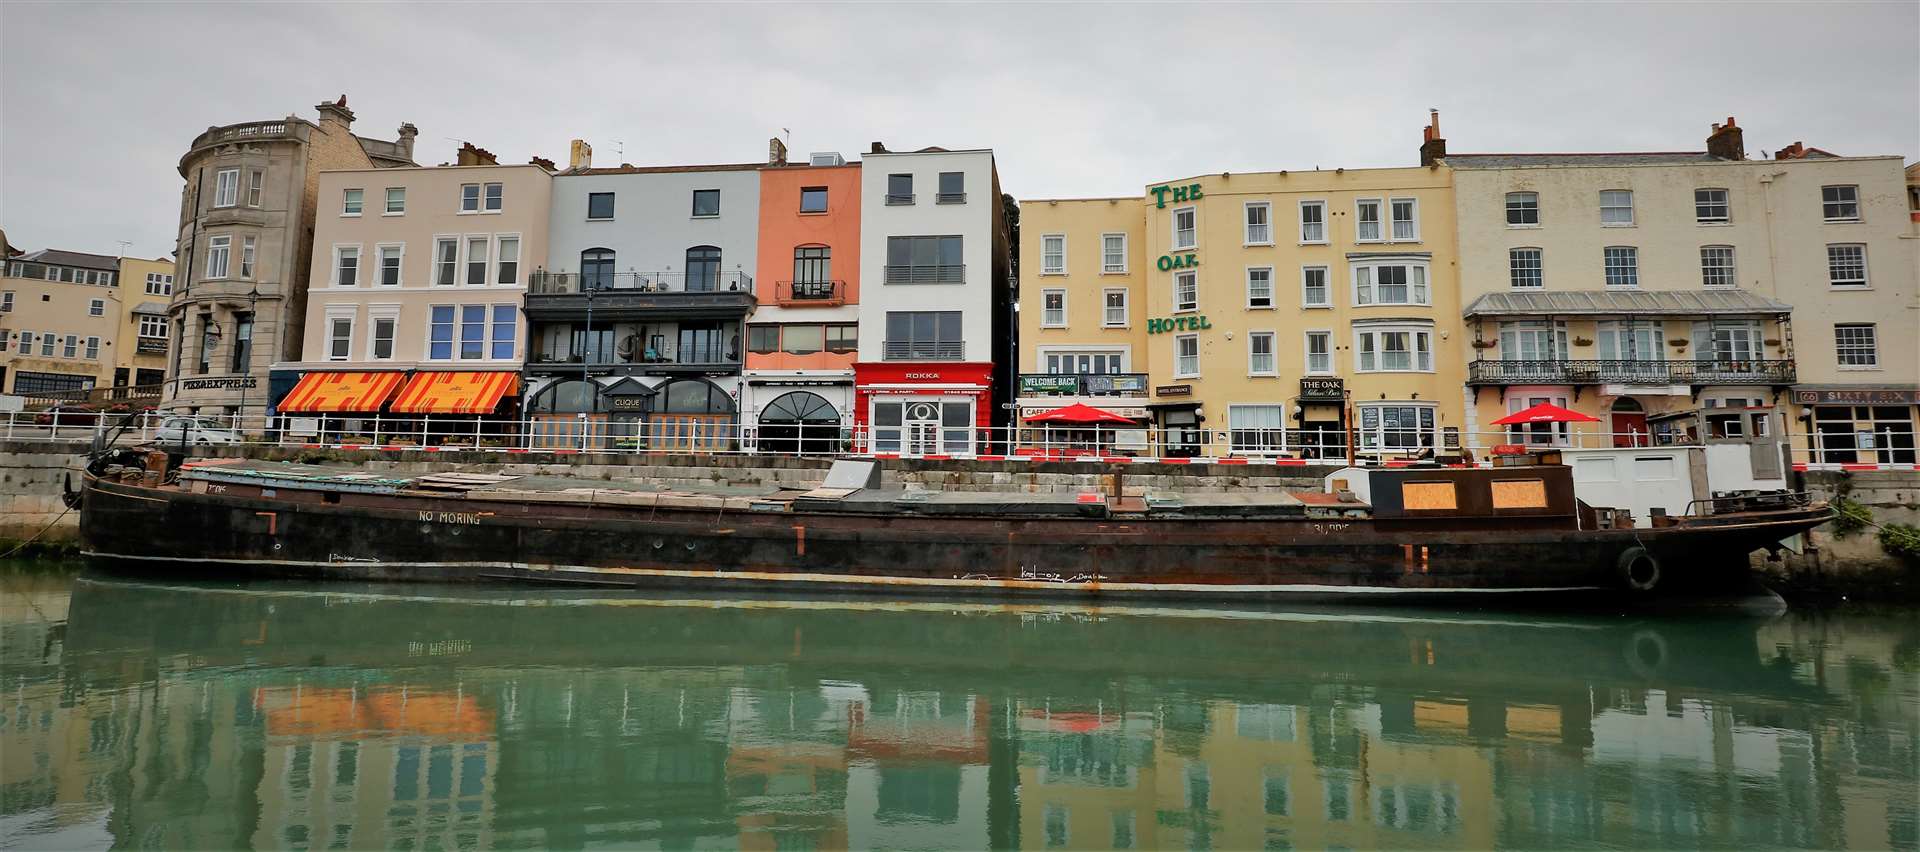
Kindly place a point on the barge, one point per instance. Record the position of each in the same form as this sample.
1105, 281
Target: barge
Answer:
1434, 534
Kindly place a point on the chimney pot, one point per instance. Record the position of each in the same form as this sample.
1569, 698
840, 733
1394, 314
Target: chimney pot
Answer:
776, 152
878, 148
1725, 141
1433, 146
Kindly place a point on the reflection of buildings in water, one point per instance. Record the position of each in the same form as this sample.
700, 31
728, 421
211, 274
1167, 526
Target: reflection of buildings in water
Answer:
787, 765
917, 771
394, 766
1243, 776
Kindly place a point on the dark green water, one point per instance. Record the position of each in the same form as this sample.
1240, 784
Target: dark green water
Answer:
144, 713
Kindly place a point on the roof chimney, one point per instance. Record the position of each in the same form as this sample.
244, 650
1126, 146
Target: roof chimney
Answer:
1725, 142
1433, 146
1795, 151
471, 156
335, 113
580, 155
776, 152
542, 162
878, 149
405, 139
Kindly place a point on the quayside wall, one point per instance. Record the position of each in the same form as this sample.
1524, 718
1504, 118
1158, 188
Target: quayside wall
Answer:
32, 473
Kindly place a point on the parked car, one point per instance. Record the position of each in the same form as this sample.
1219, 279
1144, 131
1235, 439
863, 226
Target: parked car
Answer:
67, 414
194, 430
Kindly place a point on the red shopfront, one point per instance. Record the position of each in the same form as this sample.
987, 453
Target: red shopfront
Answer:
923, 409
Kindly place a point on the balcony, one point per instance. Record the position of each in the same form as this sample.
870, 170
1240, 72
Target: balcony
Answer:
1555, 372
699, 361
567, 296
1083, 384
923, 350
252, 131
809, 294
949, 273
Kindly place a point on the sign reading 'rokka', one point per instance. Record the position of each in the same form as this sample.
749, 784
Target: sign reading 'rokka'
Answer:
1193, 323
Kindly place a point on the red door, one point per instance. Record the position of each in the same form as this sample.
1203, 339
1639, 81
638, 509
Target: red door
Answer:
1630, 429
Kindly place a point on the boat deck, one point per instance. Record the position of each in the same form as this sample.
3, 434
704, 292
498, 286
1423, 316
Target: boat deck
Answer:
543, 489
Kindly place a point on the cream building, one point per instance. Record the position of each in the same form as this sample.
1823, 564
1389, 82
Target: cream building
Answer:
1642, 288
1267, 311
247, 214
421, 271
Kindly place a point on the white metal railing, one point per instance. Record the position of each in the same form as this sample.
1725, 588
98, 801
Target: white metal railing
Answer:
719, 434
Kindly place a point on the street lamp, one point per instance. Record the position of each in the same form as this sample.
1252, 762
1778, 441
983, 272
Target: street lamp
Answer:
246, 367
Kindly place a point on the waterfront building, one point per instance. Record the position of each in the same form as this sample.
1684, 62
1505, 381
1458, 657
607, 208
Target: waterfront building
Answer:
415, 296
638, 312
1773, 293
803, 338
936, 340
140, 345
247, 214
1251, 314
61, 312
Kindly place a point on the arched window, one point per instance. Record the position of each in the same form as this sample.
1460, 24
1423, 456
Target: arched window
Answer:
695, 396
703, 269
569, 397
596, 269
800, 422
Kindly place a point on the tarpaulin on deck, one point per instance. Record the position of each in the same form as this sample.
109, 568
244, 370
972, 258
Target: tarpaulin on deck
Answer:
455, 393
340, 393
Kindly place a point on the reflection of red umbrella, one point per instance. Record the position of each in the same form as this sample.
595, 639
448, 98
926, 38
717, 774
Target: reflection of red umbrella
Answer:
1544, 413
1079, 413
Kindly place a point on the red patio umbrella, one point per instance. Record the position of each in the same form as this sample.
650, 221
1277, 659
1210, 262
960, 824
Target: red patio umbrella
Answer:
1079, 413
1545, 412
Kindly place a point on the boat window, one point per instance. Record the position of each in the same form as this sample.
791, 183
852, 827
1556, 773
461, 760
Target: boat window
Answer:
1428, 495
1520, 494
1652, 468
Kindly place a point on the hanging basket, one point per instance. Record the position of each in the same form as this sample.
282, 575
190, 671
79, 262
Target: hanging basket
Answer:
1679, 342
1484, 344
1583, 341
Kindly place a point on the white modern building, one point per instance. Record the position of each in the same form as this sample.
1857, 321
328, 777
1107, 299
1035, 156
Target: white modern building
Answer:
936, 348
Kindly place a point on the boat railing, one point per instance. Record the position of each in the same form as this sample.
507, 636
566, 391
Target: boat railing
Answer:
1749, 502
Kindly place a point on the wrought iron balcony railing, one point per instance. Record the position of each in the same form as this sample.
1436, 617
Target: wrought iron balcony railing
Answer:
1616, 371
800, 294
1083, 384
558, 283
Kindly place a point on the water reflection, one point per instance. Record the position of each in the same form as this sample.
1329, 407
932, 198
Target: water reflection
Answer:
179, 715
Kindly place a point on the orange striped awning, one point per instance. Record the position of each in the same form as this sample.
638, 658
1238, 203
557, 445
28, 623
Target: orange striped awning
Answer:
455, 393
340, 393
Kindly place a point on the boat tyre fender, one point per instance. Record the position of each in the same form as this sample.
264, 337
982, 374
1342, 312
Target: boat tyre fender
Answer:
1646, 654
1639, 570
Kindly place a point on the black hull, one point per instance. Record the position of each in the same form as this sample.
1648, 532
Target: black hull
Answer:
452, 540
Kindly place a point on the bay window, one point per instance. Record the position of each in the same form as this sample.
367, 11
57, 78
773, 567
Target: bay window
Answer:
1390, 283
1394, 349
1397, 427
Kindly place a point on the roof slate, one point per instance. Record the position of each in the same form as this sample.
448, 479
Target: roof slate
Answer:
62, 257
1626, 302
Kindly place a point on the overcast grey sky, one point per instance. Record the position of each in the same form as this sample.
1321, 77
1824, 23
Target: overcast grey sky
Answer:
98, 102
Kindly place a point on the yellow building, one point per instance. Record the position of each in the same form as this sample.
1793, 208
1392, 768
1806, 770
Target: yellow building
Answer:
1251, 314
140, 346
59, 312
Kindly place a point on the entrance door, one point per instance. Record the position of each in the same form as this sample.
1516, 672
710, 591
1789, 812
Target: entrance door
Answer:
1629, 424
1181, 434
923, 428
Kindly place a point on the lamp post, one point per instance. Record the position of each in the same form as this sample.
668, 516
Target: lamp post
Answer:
246, 367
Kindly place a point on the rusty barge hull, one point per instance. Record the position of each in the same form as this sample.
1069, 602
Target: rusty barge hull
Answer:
254, 531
